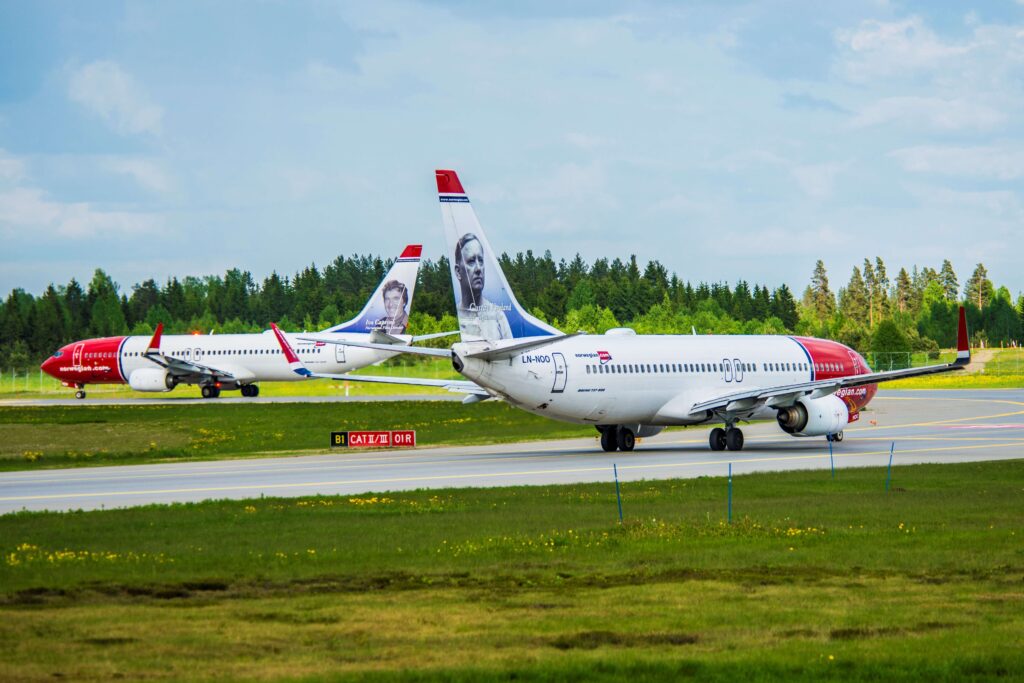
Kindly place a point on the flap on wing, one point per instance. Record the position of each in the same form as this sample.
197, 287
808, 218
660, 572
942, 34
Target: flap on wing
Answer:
509, 350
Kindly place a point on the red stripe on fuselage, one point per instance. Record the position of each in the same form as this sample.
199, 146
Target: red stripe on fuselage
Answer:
831, 360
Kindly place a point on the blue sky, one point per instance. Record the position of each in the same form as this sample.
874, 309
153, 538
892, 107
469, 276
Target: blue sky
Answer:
728, 140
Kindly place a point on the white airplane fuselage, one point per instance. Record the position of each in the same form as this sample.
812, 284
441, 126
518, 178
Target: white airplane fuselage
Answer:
249, 357
654, 379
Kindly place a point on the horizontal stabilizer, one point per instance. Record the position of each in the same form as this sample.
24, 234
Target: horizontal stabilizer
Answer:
509, 350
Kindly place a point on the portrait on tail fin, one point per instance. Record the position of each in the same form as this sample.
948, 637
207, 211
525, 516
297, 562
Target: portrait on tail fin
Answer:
396, 308
478, 317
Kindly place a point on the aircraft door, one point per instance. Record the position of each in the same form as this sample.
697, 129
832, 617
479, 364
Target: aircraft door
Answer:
727, 369
339, 353
198, 354
737, 368
561, 374
76, 355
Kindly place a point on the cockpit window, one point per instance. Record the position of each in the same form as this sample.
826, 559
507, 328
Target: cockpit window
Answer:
58, 354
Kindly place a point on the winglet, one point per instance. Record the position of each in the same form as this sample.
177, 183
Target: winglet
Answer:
289, 355
154, 343
963, 346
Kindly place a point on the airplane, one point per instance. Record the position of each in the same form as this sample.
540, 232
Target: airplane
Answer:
219, 362
629, 385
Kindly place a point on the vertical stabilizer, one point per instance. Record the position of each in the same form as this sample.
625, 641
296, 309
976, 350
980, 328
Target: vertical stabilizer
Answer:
486, 306
389, 305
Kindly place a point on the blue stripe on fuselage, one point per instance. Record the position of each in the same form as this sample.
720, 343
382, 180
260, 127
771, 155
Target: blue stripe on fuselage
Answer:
810, 361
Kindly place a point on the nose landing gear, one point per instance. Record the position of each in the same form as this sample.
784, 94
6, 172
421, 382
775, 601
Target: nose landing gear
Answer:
80, 394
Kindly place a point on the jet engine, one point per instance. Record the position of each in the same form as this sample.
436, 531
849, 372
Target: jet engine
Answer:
151, 379
814, 417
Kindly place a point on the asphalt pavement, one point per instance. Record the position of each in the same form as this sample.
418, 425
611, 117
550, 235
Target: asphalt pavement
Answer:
921, 426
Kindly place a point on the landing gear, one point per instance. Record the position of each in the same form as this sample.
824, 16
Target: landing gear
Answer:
79, 394
837, 437
731, 438
617, 437
210, 391
608, 441
626, 439
250, 390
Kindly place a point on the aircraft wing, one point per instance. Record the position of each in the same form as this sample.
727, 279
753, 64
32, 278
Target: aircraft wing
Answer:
785, 395
459, 386
455, 385
394, 348
179, 367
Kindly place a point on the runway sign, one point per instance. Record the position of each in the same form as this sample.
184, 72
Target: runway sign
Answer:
392, 438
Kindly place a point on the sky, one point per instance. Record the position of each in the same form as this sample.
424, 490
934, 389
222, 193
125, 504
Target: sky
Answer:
728, 140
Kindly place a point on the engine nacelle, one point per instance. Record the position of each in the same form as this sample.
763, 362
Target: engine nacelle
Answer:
151, 379
817, 417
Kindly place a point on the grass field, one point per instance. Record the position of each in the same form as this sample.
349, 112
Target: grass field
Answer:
35, 384
57, 436
815, 580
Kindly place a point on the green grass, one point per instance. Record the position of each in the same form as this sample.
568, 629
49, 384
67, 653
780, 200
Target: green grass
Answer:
816, 580
39, 385
57, 436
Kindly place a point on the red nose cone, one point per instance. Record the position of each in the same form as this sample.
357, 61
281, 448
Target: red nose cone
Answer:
49, 366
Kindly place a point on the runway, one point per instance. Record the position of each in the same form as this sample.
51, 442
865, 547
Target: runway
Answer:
925, 426
223, 400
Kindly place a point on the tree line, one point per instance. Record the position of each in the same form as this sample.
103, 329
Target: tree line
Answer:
916, 311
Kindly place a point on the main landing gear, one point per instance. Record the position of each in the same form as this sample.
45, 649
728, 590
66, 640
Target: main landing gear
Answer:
249, 390
616, 437
731, 438
210, 391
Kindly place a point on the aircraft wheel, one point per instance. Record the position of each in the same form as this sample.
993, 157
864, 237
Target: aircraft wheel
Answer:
79, 394
215, 393
626, 439
207, 391
609, 442
717, 439
838, 437
254, 390
734, 439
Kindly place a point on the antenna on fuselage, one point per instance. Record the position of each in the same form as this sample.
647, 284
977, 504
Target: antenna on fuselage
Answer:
693, 330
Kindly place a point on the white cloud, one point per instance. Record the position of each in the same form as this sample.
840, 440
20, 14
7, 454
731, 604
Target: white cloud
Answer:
584, 141
931, 112
882, 49
997, 204
1000, 163
817, 180
105, 89
25, 209
11, 168
147, 174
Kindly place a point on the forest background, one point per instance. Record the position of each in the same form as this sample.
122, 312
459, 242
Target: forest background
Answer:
915, 311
